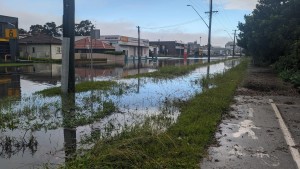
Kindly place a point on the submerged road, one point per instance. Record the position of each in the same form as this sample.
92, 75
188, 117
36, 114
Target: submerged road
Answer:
262, 130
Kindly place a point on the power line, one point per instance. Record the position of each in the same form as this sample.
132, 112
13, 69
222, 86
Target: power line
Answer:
175, 25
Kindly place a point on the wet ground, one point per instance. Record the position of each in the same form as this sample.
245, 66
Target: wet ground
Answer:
40, 135
250, 135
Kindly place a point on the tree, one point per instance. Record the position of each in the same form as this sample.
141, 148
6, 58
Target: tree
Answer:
270, 30
84, 28
48, 28
22, 31
36, 29
51, 29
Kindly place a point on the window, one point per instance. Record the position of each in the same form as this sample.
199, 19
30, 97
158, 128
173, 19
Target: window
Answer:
33, 49
58, 50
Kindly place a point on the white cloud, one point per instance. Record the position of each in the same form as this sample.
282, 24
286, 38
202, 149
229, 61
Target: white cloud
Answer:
28, 18
117, 27
238, 4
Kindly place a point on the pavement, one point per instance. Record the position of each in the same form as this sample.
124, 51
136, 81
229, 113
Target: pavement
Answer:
251, 134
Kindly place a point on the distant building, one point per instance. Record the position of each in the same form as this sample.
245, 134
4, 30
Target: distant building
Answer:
85, 45
229, 47
168, 48
8, 38
193, 48
127, 45
41, 46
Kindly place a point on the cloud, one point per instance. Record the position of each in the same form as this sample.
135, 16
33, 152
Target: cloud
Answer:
28, 18
238, 4
116, 27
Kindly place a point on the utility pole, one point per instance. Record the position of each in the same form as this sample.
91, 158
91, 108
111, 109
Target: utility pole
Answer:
233, 48
209, 28
200, 41
91, 54
139, 45
69, 35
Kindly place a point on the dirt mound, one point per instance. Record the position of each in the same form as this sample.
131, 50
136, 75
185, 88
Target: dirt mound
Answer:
264, 81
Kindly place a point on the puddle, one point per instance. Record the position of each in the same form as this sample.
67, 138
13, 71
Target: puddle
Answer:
44, 125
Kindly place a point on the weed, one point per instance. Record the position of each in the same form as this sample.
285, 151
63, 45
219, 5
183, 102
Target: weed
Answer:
182, 145
172, 71
81, 87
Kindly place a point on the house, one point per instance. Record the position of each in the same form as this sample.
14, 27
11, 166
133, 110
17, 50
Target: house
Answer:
95, 49
8, 38
85, 45
40, 46
169, 48
127, 45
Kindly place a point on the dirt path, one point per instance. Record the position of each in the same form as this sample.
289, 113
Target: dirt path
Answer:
250, 135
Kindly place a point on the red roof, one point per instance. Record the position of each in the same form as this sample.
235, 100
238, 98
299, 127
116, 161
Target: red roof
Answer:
97, 44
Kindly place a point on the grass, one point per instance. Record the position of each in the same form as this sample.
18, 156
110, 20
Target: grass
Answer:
42, 60
182, 145
173, 71
14, 64
80, 87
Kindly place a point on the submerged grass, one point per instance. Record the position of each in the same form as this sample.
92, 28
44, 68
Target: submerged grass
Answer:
14, 64
181, 146
80, 87
172, 71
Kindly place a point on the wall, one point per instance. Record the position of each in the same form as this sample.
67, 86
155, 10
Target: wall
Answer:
41, 51
56, 53
113, 59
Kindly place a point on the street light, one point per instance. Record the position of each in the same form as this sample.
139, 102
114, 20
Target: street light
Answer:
199, 15
209, 28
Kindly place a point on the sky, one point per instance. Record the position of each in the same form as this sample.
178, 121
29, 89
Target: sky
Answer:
164, 20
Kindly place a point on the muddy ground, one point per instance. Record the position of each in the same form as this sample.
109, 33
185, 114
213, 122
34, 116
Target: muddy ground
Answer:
250, 136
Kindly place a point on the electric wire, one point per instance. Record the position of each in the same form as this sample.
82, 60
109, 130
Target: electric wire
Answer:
175, 25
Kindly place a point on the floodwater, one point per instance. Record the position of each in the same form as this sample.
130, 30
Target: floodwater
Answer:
41, 134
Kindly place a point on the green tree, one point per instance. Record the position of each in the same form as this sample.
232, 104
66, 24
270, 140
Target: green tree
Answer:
36, 29
51, 29
270, 30
22, 31
84, 28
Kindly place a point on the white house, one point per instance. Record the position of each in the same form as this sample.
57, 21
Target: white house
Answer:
40, 46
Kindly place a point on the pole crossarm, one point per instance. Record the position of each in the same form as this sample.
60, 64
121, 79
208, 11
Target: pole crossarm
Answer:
199, 15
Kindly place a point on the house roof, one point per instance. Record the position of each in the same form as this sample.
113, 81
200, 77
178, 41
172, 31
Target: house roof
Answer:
40, 39
97, 44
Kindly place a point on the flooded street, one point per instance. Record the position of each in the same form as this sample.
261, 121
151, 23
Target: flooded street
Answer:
40, 131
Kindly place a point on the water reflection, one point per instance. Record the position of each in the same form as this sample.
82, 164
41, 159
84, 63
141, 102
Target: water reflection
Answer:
57, 125
10, 85
68, 111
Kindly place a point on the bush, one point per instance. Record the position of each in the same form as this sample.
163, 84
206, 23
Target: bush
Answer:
295, 79
288, 66
114, 52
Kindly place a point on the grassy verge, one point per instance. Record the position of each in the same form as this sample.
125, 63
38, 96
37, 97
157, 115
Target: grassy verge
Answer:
41, 60
181, 146
14, 64
173, 71
81, 87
